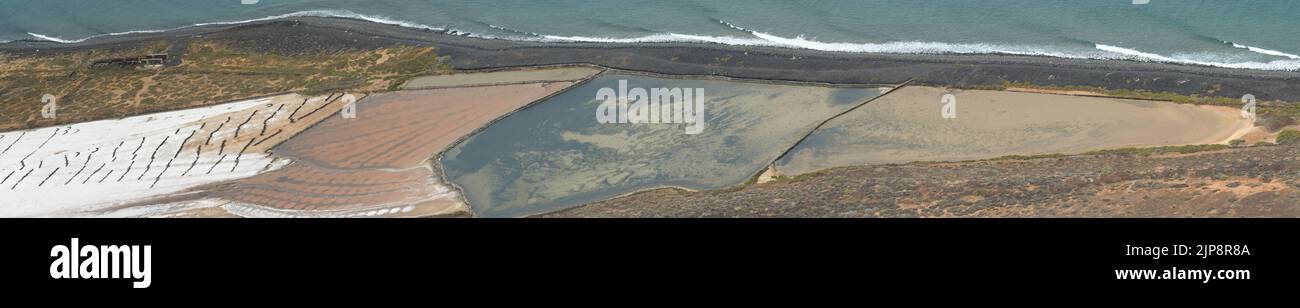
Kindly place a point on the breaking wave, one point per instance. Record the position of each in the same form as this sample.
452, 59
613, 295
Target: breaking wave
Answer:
312, 13
1098, 51
1264, 51
758, 38
1136, 55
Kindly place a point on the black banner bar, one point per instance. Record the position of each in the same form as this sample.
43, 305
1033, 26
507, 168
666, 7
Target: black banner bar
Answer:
1045, 255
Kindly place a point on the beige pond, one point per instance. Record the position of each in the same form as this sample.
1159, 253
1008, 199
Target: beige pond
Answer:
907, 125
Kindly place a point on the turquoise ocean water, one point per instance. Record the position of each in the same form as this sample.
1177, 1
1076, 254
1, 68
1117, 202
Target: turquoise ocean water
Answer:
1262, 34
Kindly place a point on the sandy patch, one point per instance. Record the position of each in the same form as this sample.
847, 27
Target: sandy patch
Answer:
907, 125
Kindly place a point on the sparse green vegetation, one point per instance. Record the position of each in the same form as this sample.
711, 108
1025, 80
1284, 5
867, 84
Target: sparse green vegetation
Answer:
797, 178
210, 73
1178, 149
1289, 136
1024, 157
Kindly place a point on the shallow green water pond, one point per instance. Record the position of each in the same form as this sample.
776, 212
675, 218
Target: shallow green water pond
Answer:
557, 153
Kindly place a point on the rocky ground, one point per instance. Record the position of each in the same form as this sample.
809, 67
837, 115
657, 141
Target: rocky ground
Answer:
1261, 181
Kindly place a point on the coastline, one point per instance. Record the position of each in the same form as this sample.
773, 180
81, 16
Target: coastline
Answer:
292, 35
1014, 73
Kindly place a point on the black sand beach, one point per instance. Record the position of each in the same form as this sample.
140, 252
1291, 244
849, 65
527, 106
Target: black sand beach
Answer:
312, 34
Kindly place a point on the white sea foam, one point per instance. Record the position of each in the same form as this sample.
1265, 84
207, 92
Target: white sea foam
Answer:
1265, 51
311, 13
733, 26
912, 47
757, 38
1136, 55
1102, 51
331, 13
531, 34
55, 39
799, 42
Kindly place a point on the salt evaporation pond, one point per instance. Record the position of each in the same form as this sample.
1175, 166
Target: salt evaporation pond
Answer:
555, 154
907, 126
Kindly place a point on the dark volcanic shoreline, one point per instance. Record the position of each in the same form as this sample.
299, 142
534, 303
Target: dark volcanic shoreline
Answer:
312, 34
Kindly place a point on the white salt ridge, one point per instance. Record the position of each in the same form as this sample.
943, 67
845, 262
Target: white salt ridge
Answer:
255, 211
71, 169
178, 209
165, 210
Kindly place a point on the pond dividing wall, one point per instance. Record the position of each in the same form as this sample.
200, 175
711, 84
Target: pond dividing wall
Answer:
557, 154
